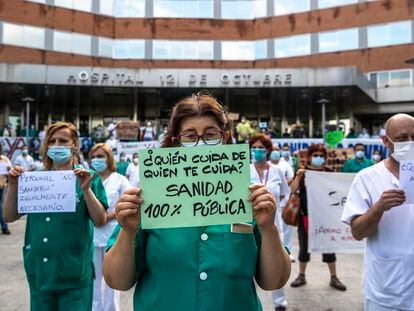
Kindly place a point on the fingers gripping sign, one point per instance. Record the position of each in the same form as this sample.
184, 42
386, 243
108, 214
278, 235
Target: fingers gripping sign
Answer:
264, 205
128, 210
84, 177
391, 198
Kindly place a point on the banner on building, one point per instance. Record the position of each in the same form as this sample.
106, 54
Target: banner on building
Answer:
127, 130
327, 193
132, 147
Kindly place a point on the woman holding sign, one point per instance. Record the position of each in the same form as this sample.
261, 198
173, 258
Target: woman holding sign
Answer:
315, 161
197, 268
103, 162
58, 251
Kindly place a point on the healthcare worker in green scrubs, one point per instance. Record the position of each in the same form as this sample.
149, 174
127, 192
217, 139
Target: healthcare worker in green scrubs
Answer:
198, 268
58, 249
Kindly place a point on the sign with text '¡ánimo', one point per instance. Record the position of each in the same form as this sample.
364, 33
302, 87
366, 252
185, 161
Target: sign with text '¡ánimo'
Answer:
47, 192
407, 180
199, 186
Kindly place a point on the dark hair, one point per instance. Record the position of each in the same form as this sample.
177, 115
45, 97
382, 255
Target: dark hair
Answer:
201, 104
315, 148
359, 144
285, 145
264, 139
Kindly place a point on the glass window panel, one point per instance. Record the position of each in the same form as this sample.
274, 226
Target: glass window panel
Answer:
190, 50
400, 78
160, 49
383, 79
260, 9
64, 3
121, 49
205, 9
106, 47
261, 49
136, 49
83, 5
284, 7
121, 8
62, 41
175, 50
81, 44
292, 46
137, 8
332, 3
389, 34
229, 50
206, 49
13, 34
241, 50
245, 9
229, 9
340, 40
38, 1
106, 7
34, 37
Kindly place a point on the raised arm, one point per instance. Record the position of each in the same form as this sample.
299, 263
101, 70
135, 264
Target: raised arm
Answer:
10, 213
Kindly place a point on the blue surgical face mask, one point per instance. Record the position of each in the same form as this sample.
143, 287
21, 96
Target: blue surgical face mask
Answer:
259, 155
317, 161
285, 154
24, 152
59, 154
359, 154
99, 164
201, 143
275, 155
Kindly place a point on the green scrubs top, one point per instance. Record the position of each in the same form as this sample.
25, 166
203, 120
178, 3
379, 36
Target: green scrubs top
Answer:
58, 251
121, 168
354, 166
198, 268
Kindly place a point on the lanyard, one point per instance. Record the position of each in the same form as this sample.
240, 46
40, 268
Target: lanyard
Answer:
267, 174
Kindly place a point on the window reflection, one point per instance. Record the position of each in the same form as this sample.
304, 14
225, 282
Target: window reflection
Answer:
340, 40
243, 9
292, 46
332, 3
184, 8
24, 35
389, 34
284, 7
238, 50
169, 49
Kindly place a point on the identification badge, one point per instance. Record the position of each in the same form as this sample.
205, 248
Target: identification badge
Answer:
241, 228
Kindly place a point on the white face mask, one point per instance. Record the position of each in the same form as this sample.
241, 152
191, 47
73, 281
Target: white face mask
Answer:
135, 160
403, 151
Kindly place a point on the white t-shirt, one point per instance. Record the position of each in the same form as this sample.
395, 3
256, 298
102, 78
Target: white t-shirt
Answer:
114, 186
26, 162
287, 171
133, 174
389, 253
273, 179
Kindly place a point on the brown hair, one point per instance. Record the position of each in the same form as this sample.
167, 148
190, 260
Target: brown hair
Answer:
108, 152
52, 129
264, 139
315, 148
201, 104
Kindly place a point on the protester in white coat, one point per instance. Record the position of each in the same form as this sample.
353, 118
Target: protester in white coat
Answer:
115, 184
377, 210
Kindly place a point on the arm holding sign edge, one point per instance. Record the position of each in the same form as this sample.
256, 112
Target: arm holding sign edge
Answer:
273, 267
119, 267
10, 213
96, 210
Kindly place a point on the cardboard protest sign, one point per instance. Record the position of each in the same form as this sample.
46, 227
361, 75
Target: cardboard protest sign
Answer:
127, 130
200, 186
407, 179
326, 194
47, 192
3, 168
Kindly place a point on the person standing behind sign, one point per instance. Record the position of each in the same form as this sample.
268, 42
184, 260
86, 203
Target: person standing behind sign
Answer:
359, 162
58, 249
122, 164
265, 173
196, 268
316, 157
377, 211
115, 184
3, 188
132, 172
25, 160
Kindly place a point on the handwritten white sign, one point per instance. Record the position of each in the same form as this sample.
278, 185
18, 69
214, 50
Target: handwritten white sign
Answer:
407, 179
3, 168
47, 192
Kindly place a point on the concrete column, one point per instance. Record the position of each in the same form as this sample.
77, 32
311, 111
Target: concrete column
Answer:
314, 38
217, 9
270, 48
94, 46
148, 49
362, 37
313, 5
149, 8
269, 8
49, 39
217, 50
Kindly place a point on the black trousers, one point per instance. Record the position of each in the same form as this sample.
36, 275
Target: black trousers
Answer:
304, 255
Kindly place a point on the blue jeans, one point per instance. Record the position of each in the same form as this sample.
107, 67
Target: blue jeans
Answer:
2, 223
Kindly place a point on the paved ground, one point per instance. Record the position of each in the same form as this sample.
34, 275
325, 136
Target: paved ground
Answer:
315, 296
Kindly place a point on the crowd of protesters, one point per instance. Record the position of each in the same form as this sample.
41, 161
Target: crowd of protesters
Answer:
103, 238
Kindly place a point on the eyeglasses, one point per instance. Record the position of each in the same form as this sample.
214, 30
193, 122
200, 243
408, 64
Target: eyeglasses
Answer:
210, 137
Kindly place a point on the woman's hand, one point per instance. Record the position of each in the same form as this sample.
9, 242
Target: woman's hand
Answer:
84, 177
14, 173
128, 210
264, 206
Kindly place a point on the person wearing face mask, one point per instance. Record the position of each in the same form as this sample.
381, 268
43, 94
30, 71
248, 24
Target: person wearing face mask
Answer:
197, 268
148, 132
132, 172
58, 247
376, 157
3, 189
286, 157
25, 160
316, 157
359, 162
103, 162
122, 164
377, 211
